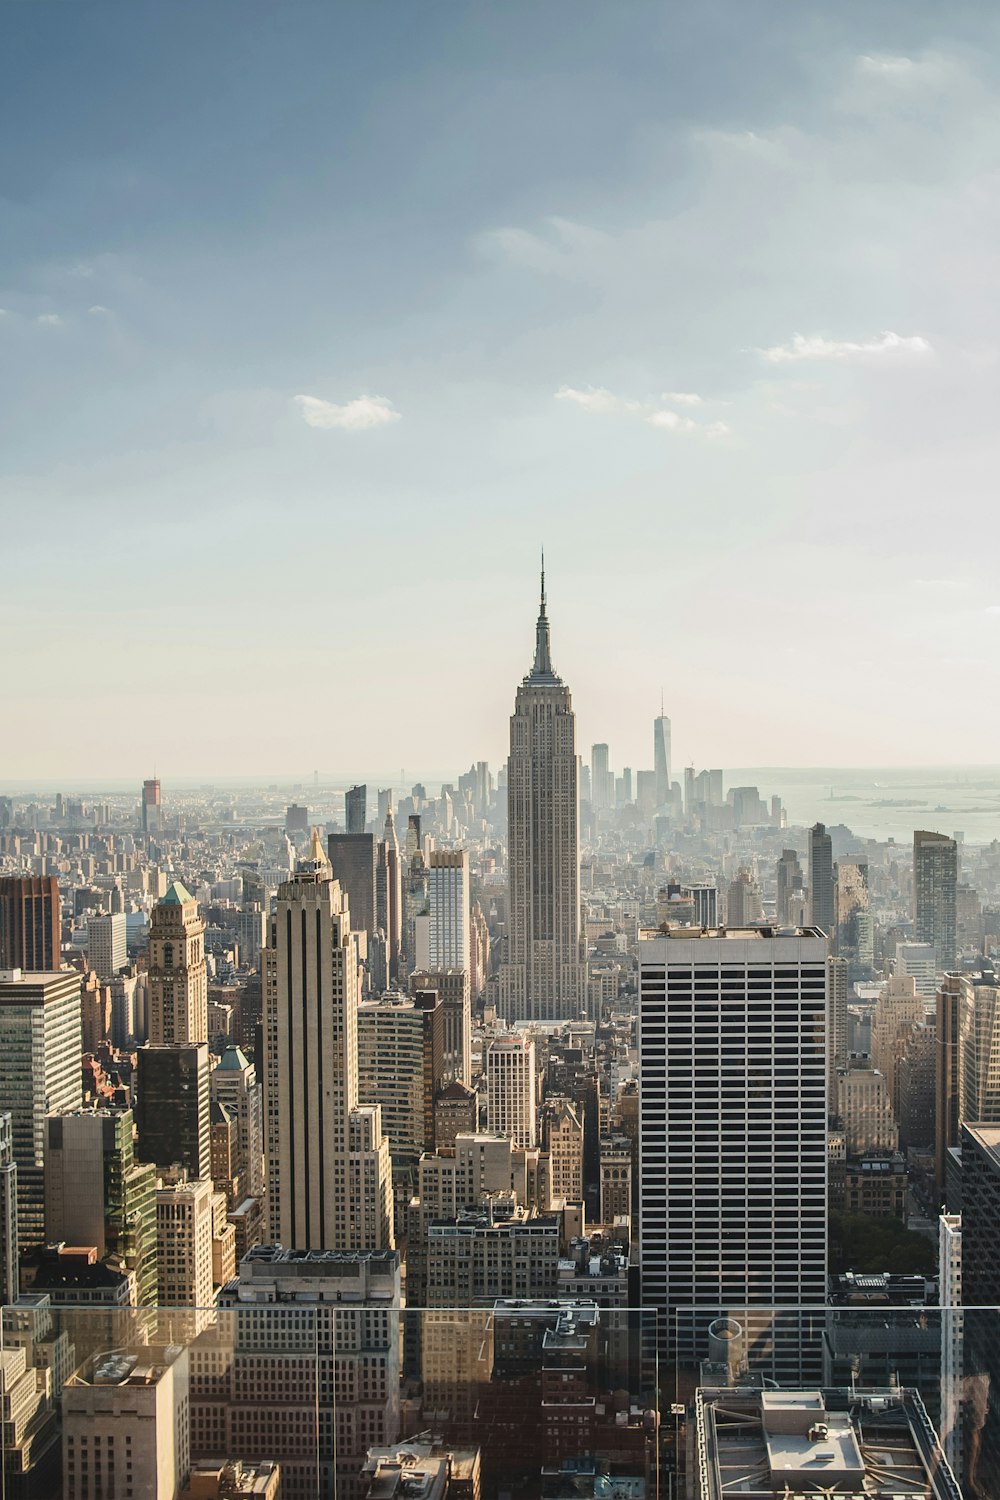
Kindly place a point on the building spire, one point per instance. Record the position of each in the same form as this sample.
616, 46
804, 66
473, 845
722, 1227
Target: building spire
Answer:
543, 660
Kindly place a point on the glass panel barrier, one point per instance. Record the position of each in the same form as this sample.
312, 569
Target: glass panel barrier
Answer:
307, 1398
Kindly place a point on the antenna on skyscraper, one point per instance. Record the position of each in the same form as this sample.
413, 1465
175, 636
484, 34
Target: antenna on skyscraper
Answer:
542, 611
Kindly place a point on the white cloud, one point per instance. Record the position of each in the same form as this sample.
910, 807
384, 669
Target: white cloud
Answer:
353, 416
602, 401
815, 346
49, 320
681, 398
97, 311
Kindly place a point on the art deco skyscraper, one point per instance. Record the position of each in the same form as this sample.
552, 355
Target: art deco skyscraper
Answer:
543, 977
178, 981
329, 1178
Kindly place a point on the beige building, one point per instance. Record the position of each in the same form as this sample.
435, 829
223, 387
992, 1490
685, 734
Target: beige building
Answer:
178, 982
126, 1426
616, 1178
563, 1131
302, 1367
865, 1109
898, 1009
185, 1231
329, 1173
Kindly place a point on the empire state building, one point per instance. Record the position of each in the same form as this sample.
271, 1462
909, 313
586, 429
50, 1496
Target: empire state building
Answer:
544, 977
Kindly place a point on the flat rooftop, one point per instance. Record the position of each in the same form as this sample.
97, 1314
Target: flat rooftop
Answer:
679, 933
801, 1443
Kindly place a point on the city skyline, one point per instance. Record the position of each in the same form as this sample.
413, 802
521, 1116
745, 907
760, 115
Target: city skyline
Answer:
433, 336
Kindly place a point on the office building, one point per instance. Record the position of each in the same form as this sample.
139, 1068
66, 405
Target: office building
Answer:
864, 1107
821, 880
185, 1234
355, 809
455, 992
947, 1079
389, 892
544, 977
233, 1083
172, 1109
797, 1443
562, 1138
126, 1425
8, 1210
898, 1010
29, 923
952, 1337
661, 758
328, 1392
448, 903
97, 1194
501, 1250
744, 906
318, 1139
352, 859
980, 1148
602, 779
512, 1089
979, 1048
704, 904
150, 811
935, 892
789, 884
178, 981
296, 820
918, 961
400, 1067
107, 952
733, 1132
40, 1072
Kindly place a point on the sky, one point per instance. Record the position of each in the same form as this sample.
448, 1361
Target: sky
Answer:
320, 321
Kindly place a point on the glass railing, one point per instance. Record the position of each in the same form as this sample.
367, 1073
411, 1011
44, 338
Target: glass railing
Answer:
340, 1398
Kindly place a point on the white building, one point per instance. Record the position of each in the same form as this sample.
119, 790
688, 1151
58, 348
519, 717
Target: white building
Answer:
107, 951
732, 1132
511, 1089
314, 1144
185, 1227
918, 961
447, 931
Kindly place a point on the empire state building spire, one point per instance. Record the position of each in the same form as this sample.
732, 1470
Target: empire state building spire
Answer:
542, 670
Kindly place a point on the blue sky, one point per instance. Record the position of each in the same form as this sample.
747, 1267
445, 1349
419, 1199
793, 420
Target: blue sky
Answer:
319, 320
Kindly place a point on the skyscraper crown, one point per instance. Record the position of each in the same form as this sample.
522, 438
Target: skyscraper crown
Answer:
542, 669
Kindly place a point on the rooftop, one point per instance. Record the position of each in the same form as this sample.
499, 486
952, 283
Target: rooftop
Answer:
177, 894
800, 1443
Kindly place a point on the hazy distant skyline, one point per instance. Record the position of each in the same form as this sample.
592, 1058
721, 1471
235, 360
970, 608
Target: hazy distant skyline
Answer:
317, 322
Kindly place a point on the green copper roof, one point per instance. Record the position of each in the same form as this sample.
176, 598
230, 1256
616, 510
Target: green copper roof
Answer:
233, 1059
176, 895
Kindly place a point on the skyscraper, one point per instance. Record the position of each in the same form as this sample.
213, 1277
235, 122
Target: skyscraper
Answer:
732, 1132
29, 923
8, 1211
789, 880
602, 780
178, 982
511, 1087
106, 944
173, 1106
149, 808
448, 900
935, 889
355, 808
352, 857
821, 884
41, 1056
544, 977
661, 758
319, 1147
